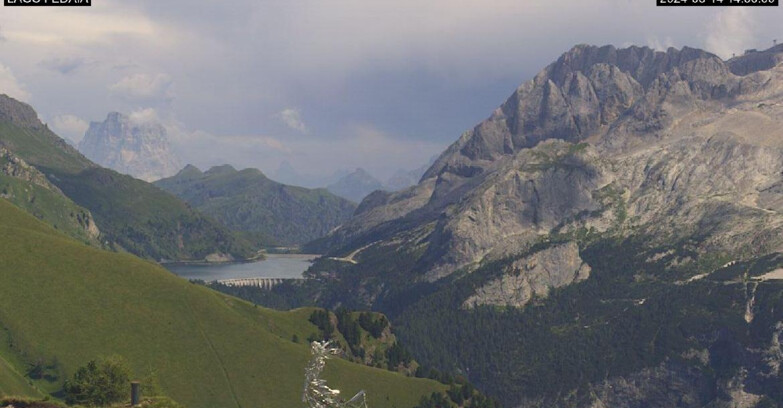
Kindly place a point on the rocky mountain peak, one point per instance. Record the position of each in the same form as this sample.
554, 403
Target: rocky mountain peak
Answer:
138, 148
18, 113
585, 91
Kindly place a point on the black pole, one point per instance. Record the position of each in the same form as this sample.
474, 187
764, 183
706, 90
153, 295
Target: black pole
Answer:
135, 393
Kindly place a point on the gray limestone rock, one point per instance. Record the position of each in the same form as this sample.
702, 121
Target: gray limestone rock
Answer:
140, 149
533, 276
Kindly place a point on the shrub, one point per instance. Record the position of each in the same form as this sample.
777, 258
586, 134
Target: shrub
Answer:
99, 383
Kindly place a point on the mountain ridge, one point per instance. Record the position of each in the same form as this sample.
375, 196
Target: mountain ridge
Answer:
485, 148
268, 212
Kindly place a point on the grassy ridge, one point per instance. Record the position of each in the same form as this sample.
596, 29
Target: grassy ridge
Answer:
59, 298
267, 212
145, 220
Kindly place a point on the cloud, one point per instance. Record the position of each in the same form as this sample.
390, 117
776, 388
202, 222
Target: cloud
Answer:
63, 65
731, 31
104, 22
355, 76
70, 126
293, 119
273, 144
205, 149
370, 143
144, 87
659, 44
144, 116
10, 86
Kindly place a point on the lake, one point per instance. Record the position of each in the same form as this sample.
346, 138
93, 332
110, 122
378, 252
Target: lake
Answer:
274, 266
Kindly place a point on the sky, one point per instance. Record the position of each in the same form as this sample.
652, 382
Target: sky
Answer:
325, 85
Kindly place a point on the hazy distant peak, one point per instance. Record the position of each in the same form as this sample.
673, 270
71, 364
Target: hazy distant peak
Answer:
137, 147
253, 171
355, 185
189, 171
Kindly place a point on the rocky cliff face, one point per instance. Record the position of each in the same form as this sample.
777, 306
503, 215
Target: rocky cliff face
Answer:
533, 276
139, 149
604, 138
677, 156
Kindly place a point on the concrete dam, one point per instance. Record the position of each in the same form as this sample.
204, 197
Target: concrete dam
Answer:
263, 283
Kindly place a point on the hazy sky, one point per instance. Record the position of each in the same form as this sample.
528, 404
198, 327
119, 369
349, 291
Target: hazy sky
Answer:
324, 84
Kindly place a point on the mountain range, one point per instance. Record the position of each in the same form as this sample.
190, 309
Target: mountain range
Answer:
354, 185
615, 225
610, 236
53, 181
266, 212
358, 184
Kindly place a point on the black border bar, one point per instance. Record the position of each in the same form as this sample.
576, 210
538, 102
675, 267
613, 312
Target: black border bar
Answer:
717, 3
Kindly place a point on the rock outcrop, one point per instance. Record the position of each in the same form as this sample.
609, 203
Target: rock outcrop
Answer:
47, 203
533, 276
137, 148
13, 166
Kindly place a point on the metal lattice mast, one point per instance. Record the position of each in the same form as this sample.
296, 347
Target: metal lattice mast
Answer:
316, 393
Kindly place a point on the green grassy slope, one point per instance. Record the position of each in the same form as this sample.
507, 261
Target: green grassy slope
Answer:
267, 211
132, 213
61, 299
147, 221
13, 383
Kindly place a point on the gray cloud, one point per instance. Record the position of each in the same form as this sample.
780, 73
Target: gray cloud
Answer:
732, 31
417, 73
292, 119
63, 65
11, 86
69, 126
144, 87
